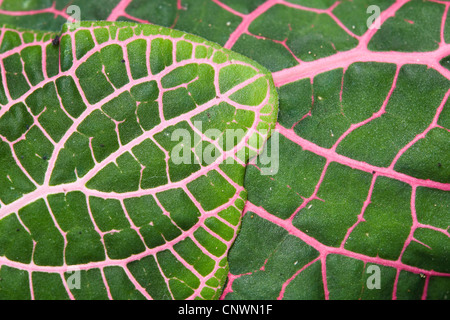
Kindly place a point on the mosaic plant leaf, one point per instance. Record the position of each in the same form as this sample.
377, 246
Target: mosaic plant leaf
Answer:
93, 204
360, 205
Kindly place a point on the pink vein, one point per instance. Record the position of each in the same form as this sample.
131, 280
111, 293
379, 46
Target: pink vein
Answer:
423, 134
359, 54
331, 155
247, 20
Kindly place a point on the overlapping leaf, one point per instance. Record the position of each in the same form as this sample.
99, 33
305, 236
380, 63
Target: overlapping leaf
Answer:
90, 125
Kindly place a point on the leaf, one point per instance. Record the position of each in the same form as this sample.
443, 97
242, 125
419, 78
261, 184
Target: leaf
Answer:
359, 206
112, 184
380, 173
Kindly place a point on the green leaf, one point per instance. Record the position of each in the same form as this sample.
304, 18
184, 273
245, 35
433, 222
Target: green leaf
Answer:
106, 191
362, 187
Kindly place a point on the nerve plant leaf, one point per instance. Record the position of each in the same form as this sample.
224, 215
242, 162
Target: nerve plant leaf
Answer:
123, 150
359, 208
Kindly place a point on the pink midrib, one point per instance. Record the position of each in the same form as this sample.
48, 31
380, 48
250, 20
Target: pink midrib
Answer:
344, 59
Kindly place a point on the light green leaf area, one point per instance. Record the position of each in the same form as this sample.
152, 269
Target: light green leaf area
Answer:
123, 150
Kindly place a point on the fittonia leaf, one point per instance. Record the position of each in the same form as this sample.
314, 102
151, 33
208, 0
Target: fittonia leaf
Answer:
359, 208
89, 187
